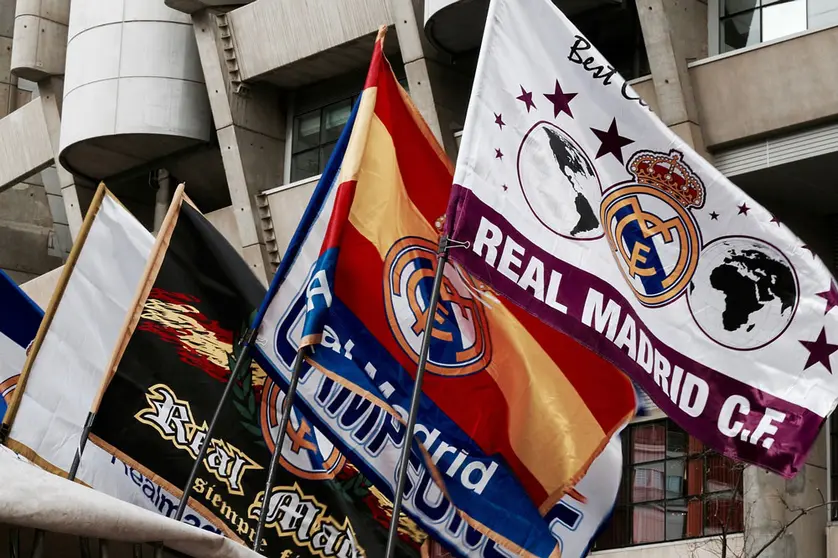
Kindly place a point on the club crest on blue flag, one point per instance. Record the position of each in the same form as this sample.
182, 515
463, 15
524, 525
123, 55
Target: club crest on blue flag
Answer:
19, 322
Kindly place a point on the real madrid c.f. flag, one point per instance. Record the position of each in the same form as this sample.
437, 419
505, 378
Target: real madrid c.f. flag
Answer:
588, 212
511, 417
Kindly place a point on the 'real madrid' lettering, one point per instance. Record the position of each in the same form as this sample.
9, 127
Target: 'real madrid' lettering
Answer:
683, 388
689, 392
580, 54
490, 241
302, 518
172, 419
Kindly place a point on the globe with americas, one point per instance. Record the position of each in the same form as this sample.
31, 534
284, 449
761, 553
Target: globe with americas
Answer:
559, 183
744, 292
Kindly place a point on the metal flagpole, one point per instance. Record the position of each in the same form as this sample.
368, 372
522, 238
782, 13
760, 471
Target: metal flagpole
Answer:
249, 339
287, 405
442, 258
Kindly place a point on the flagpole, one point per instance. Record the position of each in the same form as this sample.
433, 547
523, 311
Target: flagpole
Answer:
248, 340
398, 495
287, 405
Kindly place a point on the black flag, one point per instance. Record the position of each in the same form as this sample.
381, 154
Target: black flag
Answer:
155, 410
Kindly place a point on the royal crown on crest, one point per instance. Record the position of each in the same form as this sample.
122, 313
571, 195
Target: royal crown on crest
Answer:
670, 174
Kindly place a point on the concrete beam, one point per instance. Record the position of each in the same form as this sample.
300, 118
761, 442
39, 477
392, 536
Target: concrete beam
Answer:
251, 137
25, 146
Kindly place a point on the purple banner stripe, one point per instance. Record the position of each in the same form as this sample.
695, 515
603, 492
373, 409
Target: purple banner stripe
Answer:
731, 417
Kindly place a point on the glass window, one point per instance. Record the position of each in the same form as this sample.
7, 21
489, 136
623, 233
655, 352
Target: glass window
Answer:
672, 489
315, 136
750, 22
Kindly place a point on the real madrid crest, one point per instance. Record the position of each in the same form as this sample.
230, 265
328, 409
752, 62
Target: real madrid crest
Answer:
652, 232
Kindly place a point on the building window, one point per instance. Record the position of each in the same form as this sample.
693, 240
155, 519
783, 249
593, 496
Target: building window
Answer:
672, 489
315, 134
749, 22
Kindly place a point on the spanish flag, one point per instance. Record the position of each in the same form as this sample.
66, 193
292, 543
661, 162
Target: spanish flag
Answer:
513, 413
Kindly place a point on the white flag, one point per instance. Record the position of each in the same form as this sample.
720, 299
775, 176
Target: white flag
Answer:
583, 208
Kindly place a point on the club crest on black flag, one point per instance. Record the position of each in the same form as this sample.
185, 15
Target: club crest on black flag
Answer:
155, 411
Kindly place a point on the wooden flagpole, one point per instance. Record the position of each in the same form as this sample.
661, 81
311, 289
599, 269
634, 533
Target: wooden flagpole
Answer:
60, 287
158, 252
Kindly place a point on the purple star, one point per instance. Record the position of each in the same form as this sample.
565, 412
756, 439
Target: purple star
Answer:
560, 100
714, 216
612, 141
819, 351
499, 121
775, 220
830, 296
743, 209
498, 154
526, 98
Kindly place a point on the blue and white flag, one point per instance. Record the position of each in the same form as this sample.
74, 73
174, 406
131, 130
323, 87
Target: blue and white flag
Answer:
19, 321
372, 439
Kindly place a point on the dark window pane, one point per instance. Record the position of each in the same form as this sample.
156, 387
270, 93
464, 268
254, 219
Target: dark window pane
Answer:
730, 7
676, 519
306, 131
723, 512
334, 118
304, 165
325, 153
648, 442
648, 482
648, 523
722, 474
739, 31
676, 478
677, 442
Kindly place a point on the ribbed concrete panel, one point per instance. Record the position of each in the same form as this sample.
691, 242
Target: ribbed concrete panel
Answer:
25, 146
133, 89
271, 34
40, 38
778, 151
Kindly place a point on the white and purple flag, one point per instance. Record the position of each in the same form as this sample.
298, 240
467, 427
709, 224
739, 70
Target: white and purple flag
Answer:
583, 208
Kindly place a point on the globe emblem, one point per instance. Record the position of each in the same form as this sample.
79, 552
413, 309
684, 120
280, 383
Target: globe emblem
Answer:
744, 292
559, 182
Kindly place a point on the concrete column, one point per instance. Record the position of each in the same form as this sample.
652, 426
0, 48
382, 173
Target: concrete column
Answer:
772, 502
52, 92
438, 91
675, 33
40, 38
251, 135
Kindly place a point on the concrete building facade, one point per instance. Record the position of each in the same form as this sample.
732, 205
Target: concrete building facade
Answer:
244, 100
